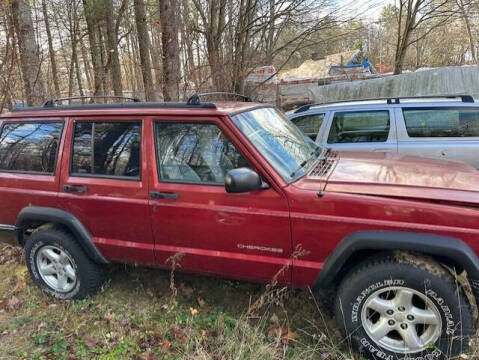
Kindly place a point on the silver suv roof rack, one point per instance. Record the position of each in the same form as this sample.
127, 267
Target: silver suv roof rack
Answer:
392, 100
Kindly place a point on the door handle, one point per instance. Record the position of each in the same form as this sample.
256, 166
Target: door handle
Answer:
74, 188
382, 150
163, 195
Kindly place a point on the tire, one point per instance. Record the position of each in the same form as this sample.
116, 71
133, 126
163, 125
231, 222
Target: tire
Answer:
396, 296
60, 267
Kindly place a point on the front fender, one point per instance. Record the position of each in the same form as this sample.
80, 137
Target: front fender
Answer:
428, 244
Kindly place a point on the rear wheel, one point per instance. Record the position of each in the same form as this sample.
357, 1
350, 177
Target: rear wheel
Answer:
409, 307
60, 267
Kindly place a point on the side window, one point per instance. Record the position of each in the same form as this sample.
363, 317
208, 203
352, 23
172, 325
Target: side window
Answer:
359, 127
437, 122
30, 147
309, 124
106, 149
198, 153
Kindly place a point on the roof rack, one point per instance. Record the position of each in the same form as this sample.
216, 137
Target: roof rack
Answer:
52, 102
132, 103
223, 96
390, 100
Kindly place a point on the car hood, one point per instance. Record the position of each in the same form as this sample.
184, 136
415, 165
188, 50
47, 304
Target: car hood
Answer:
384, 174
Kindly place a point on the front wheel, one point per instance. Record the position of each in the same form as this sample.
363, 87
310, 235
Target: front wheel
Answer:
404, 308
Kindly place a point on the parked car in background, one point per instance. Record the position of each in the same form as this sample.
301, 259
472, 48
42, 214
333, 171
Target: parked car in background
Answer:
440, 127
243, 194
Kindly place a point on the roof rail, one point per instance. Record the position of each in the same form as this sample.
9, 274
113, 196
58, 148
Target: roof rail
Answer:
390, 100
52, 102
224, 95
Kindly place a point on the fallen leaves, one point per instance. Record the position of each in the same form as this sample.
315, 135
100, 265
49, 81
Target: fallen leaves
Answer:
91, 343
13, 303
109, 316
193, 311
283, 334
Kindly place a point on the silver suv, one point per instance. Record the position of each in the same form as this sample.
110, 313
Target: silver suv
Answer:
445, 127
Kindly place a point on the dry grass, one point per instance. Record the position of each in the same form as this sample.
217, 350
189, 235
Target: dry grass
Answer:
154, 314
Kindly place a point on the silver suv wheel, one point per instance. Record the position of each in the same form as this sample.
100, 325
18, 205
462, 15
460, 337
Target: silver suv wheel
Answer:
401, 320
56, 268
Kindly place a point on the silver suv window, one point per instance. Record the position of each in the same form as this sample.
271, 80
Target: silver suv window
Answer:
309, 124
359, 126
441, 122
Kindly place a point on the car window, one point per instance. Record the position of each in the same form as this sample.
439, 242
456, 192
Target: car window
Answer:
437, 122
30, 147
109, 149
198, 153
309, 124
359, 126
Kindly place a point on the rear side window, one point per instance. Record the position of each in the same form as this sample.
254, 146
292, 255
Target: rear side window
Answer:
109, 149
442, 122
309, 124
359, 127
30, 147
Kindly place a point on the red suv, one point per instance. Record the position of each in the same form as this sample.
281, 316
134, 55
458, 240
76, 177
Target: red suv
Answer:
237, 189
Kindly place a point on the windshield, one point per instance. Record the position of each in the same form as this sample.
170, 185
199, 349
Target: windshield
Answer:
282, 144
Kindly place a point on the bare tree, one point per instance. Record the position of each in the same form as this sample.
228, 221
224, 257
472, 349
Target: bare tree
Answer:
51, 50
170, 49
112, 50
212, 13
143, 41
29, 52
410, 15
464, 13
92, 23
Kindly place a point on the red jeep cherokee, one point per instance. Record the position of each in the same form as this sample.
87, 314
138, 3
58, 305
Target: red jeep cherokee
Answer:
237, 188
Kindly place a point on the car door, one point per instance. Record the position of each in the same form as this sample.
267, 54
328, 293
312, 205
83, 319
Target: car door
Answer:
104, 183
450, 133
361, 130
243, 236
30, 164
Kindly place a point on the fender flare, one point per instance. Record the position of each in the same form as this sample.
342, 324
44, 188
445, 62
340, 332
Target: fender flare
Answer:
38, 213
428, 244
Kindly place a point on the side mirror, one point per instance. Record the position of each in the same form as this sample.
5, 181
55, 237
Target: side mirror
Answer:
243, 180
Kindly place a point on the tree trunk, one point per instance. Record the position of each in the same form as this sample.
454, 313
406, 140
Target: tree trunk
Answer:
51, 51
86, 64
29, 52
112, 38
140, 18
170, 49
88, 6
465, 17
103, 57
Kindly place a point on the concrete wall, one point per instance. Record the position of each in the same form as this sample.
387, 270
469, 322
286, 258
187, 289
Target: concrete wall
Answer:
439, 81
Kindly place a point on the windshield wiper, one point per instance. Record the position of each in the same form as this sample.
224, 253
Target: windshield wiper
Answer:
314, 154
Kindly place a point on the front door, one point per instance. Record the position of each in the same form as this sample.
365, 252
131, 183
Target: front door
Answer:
104, 184
244, 236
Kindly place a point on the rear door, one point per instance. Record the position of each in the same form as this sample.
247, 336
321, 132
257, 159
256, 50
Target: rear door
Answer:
450, 133
361, 130
244, 236
104, 184
30, 161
